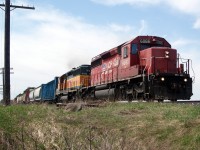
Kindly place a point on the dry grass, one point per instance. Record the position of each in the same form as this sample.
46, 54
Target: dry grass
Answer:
140, 126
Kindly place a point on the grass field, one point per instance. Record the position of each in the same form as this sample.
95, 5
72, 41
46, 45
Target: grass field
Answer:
127, 126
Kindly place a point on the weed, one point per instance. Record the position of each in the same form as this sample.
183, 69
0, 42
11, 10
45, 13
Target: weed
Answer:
116, 126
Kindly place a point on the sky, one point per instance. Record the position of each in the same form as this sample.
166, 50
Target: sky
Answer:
59, 35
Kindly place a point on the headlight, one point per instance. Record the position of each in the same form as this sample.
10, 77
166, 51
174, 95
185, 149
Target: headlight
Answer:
185, 80
162, 79
166, 54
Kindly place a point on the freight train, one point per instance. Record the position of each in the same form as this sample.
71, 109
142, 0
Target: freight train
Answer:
144, 68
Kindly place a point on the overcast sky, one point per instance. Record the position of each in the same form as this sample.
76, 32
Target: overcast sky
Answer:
60, 35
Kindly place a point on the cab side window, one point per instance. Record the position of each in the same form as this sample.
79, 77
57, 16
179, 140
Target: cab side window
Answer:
125, 52
134, 49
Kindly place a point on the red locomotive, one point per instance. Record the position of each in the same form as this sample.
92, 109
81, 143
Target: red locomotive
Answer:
143, 68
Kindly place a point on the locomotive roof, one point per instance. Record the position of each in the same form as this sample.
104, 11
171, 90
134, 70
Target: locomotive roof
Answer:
138, 38
73, 69
135, 40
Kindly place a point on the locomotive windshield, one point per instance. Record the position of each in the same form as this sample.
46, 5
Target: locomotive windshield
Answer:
145, 46
85, 70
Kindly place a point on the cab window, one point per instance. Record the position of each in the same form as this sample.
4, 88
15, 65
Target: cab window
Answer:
134, 49
125, 53
145, 46
85, 70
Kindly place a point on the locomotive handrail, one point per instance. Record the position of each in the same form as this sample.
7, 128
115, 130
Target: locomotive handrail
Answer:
193, 80
144, 68
150, 66
148, 70
188, 63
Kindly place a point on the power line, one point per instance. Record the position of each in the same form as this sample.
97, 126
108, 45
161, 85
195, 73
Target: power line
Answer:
8, 7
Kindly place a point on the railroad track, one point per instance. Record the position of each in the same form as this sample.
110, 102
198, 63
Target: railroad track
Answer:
196, 102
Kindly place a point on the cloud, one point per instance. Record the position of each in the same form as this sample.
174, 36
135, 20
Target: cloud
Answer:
131, 2
190, 7
197, 24
143, 27
50, 43
120, 28
187, 6
180, 43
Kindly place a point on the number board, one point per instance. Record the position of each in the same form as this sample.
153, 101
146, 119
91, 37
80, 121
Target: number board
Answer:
145, 41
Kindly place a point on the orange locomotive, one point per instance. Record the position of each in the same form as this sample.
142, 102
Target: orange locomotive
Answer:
74, 83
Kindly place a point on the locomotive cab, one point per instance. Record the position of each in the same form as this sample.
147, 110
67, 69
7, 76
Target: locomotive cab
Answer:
162, 76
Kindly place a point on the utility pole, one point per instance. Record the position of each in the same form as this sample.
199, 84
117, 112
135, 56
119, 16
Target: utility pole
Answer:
2, 72
3, 82
8, 6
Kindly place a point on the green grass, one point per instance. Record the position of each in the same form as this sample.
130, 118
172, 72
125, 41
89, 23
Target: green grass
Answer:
116, 126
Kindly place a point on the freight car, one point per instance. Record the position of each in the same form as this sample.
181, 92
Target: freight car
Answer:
48, 90
145, 68
24, 97
31, 95
45, 92
19, 98
37, 94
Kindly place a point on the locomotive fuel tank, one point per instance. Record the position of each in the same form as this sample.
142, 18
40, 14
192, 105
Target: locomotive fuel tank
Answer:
105, 94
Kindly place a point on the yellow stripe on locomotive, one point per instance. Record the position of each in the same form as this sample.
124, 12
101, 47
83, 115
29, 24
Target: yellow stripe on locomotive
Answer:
77, 82
75, 79
78, 78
